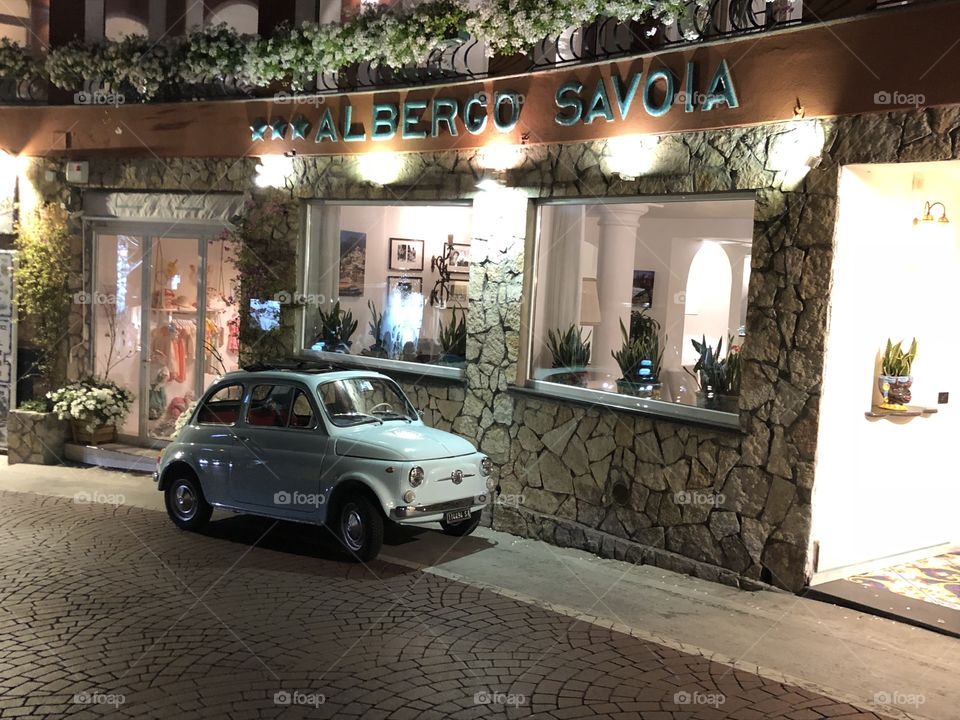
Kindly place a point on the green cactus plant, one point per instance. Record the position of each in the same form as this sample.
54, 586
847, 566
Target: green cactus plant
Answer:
641, 344
336, 328
898, 362
453, 337
568, 347
716, 375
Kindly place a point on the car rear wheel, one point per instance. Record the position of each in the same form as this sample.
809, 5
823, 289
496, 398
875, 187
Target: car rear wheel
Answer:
186, 505
462, 528
360, 528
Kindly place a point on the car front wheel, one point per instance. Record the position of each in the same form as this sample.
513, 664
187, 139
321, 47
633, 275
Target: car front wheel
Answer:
186, 505
360, 528
464, 527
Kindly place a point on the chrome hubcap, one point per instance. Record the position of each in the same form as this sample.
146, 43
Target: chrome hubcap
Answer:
184, 501
353, 530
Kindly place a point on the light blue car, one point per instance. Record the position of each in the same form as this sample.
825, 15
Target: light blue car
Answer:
314, 444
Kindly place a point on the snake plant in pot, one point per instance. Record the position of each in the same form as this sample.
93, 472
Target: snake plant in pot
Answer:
895, 379
640, 357
571, 352
718, 378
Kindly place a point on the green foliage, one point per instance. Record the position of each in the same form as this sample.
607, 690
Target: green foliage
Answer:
42, 279
898, 362
336, 328
641, 344
453, 336
569, 348
721, 376
40, 406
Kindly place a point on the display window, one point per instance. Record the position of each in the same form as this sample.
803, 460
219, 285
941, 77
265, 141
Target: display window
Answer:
390, 283
643, 304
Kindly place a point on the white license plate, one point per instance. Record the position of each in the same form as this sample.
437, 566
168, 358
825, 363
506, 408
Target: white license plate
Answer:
456, 516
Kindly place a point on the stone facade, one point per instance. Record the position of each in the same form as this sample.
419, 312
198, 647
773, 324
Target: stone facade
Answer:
611, 481
35, 437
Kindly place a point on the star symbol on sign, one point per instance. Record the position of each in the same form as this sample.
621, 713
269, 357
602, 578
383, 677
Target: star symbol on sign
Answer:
258, 129
278, 129
300, 127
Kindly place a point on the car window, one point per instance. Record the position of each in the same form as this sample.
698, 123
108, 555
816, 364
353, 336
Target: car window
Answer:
270, 405
301, 415
223, 407
357, 400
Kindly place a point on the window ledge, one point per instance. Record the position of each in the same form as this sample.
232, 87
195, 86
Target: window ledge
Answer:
362, 362
676, 412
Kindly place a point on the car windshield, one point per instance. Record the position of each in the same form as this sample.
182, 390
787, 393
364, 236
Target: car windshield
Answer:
354, 401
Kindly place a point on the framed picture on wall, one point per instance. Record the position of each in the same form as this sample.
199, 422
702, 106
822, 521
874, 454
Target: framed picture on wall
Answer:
461, 259
405, 285
353, 260
459, 293
406, 255
642, 289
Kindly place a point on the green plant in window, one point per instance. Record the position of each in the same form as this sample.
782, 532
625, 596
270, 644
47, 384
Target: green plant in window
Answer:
380, 341
898, 362
716, 375
568, 347
641, 356
453, 338
336, 328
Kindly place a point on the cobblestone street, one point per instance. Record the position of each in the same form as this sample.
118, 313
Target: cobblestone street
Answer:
114, 612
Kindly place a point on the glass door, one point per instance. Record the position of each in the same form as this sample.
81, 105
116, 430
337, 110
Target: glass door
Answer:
164, 322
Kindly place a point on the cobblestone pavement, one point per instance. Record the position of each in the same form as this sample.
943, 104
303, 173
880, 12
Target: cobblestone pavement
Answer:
114, 612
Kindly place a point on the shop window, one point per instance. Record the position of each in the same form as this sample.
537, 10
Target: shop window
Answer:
389, 283
223, 407
15, 21
644, 302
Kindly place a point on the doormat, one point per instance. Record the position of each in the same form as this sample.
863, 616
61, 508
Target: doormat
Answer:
924, 592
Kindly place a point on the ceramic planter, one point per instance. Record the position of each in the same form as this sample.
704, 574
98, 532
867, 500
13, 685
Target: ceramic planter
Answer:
895, 391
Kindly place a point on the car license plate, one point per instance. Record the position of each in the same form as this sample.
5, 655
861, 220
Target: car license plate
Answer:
456, 516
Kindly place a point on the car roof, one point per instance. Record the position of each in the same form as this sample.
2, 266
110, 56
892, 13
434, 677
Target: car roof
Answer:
309, 375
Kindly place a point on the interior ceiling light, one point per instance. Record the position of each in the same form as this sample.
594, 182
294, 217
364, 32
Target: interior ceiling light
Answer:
928, 217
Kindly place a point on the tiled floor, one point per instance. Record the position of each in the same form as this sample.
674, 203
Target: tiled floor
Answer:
934, 580
114, 612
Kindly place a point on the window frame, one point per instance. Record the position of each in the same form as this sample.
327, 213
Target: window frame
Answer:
294, 386
209, 396
526, 382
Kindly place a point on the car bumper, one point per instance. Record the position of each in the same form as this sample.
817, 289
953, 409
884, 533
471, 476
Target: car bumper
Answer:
431, 513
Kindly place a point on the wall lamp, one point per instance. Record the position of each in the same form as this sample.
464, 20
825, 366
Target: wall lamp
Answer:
928, 213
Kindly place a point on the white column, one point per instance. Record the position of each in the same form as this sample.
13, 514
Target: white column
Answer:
615, 265
738, 255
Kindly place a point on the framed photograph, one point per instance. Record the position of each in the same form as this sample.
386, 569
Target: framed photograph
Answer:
459, 293
461, 259
406, 255
353, 261
642, 288
405, 285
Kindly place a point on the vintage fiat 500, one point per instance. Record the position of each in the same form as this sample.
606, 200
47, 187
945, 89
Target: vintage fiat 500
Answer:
319, 445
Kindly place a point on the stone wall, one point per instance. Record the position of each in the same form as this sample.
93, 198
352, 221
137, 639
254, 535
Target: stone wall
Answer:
610, 481
35, 437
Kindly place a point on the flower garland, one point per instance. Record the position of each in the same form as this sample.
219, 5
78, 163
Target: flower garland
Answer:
375, 34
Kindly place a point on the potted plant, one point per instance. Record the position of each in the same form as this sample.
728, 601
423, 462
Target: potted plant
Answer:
895, 379
640, 357
336, 328
379, 347
453, 340
718, 378
570, 351
93, 407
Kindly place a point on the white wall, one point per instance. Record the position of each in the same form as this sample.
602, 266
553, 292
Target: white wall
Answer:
888, 487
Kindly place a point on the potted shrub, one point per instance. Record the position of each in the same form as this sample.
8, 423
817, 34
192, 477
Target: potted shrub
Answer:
718, 378
336, 327
379, 347
570, 351
93, 407
895, 379
453, 340
640, 357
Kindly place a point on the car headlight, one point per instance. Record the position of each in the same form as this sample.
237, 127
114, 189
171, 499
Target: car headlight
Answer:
486, 466
416, 476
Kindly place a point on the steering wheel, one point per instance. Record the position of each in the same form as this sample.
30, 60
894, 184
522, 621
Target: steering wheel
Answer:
384, 406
